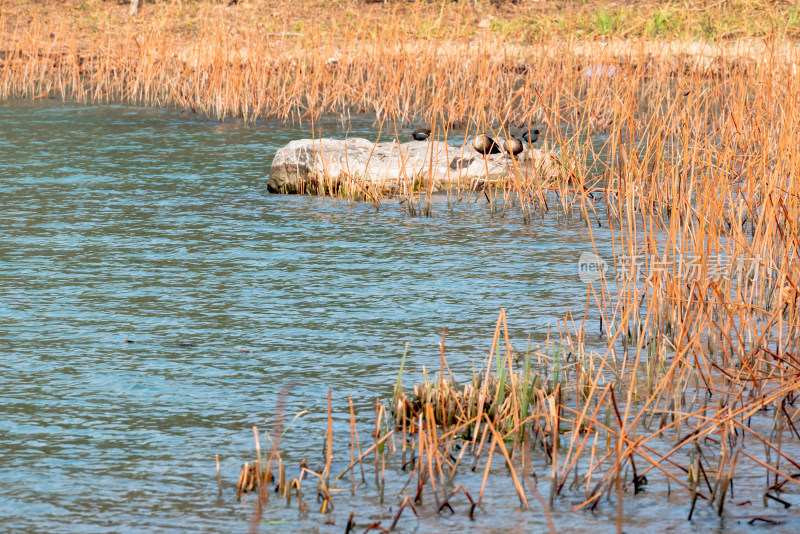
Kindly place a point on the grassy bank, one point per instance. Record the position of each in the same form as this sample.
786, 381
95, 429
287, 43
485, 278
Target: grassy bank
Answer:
517, 21
451, 61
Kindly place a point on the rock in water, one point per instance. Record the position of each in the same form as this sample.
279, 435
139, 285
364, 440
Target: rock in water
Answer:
322, 166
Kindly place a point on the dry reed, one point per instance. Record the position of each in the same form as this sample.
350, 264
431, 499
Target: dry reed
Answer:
565, 417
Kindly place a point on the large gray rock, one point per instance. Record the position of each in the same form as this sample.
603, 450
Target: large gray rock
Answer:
362, 168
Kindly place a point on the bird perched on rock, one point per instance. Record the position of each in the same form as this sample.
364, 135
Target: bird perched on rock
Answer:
421, 134
485, 145
513, 146
531, 136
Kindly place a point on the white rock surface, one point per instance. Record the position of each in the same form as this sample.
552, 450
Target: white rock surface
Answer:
318, 166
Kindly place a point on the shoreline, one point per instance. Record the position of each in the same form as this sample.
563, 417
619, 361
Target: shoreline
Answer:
229, 61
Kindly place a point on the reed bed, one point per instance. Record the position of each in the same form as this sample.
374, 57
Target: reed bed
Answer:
693, 172
662, 105
222, 63
558, 422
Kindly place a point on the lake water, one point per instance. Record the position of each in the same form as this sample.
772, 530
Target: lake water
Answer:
156, 227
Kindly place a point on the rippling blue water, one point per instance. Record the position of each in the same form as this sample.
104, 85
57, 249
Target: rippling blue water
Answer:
155, 227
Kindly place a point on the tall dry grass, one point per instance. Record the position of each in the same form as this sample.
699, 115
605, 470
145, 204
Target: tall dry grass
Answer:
561, 424
696, 178
227, 62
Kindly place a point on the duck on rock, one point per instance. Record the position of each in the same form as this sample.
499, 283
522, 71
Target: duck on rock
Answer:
420, 135
485, 145
513, 146
531, 136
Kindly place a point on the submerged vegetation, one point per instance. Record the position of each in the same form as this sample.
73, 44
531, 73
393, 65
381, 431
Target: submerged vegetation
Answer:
565, 422
695, 171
